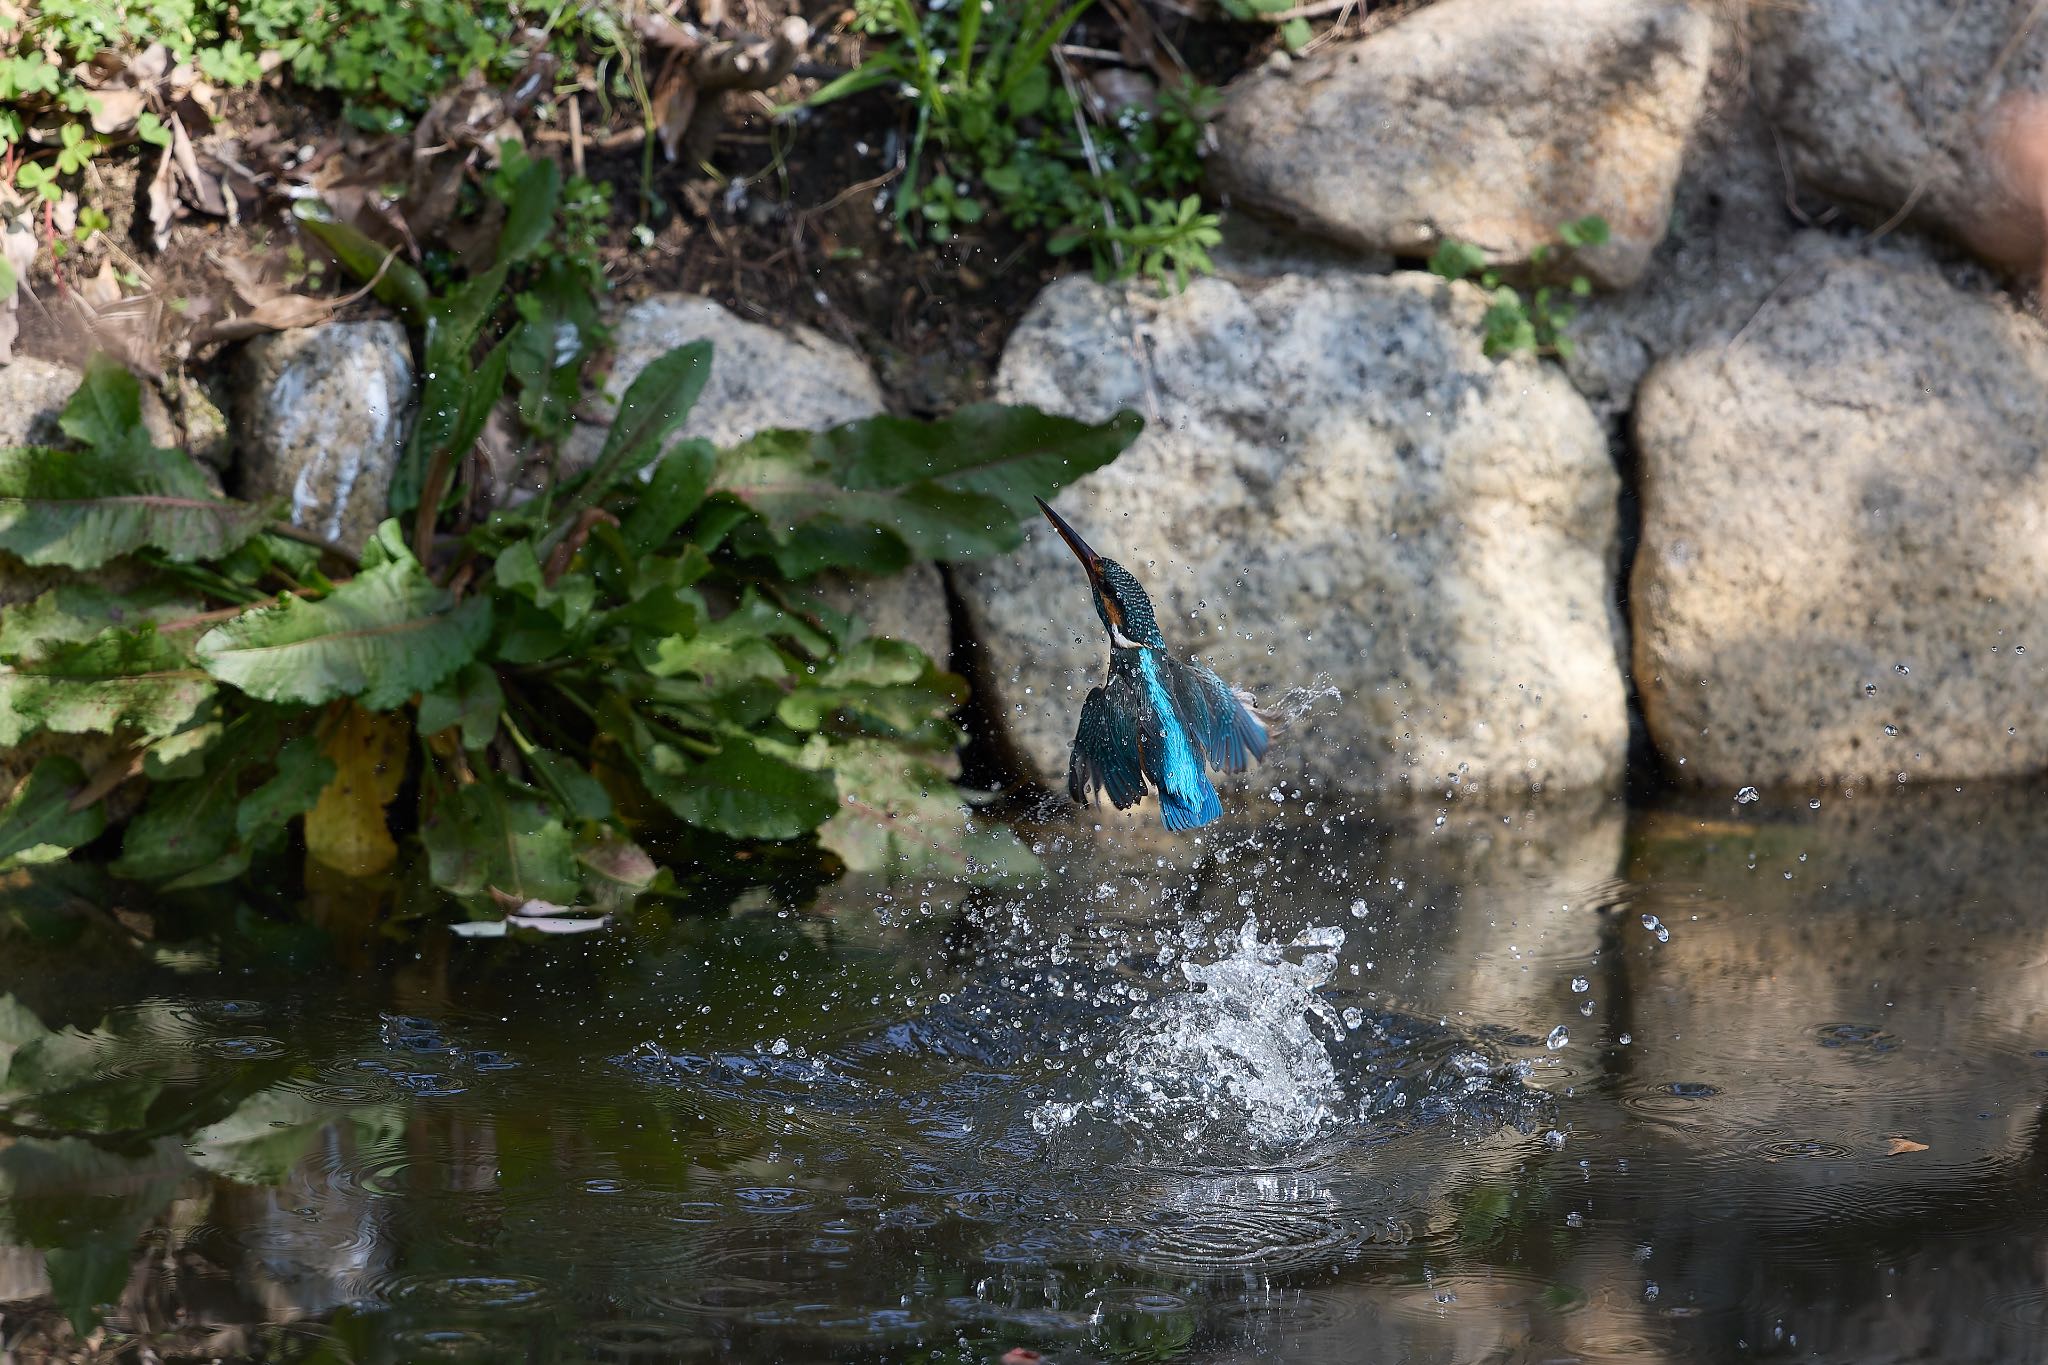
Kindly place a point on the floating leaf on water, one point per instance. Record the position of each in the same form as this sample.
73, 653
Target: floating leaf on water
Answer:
1899, 1146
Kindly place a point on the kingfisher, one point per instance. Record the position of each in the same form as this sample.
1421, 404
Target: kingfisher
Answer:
1156, 719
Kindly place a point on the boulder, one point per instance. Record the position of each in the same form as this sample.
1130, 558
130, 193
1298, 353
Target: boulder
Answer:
323, 415
1732, 240
1333, 483
1904, 105
1487, 121
1843, 572
763, 378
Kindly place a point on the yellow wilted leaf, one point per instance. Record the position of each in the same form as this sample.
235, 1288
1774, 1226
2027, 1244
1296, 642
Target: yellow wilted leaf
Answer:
346, 829
1898, 1146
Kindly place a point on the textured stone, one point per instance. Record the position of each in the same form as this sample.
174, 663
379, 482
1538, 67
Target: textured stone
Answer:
1882, 102
1488, 121
1333, 481
763, 378
323, 413
1843, 513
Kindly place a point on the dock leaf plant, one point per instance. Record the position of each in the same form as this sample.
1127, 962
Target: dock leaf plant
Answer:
568, 701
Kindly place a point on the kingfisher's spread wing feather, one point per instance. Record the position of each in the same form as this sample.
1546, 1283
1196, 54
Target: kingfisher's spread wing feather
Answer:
1230, 736
1106, 755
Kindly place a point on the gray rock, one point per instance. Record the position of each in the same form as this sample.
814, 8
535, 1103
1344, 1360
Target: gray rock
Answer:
763, 378
1334, 482
1842, 513
1488, 121
1731, 242
323, 416
1885, 101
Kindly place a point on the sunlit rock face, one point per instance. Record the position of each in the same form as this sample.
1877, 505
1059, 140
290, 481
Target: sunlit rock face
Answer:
323, 415
1333, 482
764, 378
1486, 121
1844, 569
1903, 105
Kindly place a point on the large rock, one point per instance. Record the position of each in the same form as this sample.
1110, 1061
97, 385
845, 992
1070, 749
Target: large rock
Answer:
1732, 240
323, 413
1900, 104
1843, 571
763, 378
1334, 482
1488, 121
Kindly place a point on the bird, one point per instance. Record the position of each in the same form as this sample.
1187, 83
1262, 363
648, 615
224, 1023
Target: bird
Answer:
1156, 719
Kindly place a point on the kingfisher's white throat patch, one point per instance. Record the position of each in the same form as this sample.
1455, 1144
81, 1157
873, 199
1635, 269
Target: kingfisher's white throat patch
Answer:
1121, 640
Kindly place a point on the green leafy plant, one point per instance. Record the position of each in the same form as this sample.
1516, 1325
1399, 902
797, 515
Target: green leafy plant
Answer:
1536, 323
581, 690
997, 130
1294, 30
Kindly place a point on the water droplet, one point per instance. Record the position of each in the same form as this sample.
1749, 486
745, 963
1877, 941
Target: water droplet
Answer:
1587, 1008
1358, 909
1813, 804
1559, 1036
1901, 669
1746, 795
1353, 1017
1891, 729
1656, 926
1625, 1040
1580, 985
1870, 689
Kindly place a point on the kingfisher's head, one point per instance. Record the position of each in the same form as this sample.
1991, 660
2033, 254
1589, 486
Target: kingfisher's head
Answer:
1120, 600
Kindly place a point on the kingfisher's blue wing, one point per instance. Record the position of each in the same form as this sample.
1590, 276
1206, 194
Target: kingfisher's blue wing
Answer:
1230, 736
1106, 756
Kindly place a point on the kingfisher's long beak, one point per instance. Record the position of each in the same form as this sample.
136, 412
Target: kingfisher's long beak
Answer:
1090, 561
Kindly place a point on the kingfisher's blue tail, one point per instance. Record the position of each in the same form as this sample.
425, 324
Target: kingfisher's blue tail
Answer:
1179, 815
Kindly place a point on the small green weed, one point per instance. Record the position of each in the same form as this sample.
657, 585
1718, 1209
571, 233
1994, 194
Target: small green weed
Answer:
998, 130
1537, 323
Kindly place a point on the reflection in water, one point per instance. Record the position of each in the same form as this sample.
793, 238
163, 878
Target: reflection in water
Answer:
1286, 1095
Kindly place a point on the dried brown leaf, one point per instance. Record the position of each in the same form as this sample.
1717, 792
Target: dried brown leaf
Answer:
115, 111
1899, 1146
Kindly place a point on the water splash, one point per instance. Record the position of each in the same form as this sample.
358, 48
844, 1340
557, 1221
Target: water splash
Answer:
1298, 703
1235, 1059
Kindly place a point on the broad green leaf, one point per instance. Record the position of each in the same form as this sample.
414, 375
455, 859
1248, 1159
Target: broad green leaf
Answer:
531, 215
75, 612
494, 835
615, 870
734, 649
570, 783
40, 820
303, 775
897, 814
472, 699
139, 680
656, 403
883, 688
1011, 454
385, 634
676, 489
743, 790
397, 283
560, 329
190, 824
569, 599
346, 829
182, 754
105, 413
83, 508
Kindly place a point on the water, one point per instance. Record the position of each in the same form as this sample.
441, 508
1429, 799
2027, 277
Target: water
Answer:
1187, 1103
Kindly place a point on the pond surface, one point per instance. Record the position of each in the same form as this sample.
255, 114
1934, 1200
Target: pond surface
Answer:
1699, 1082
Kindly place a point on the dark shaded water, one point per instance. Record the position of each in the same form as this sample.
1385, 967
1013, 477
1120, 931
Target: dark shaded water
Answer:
1795, 1110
